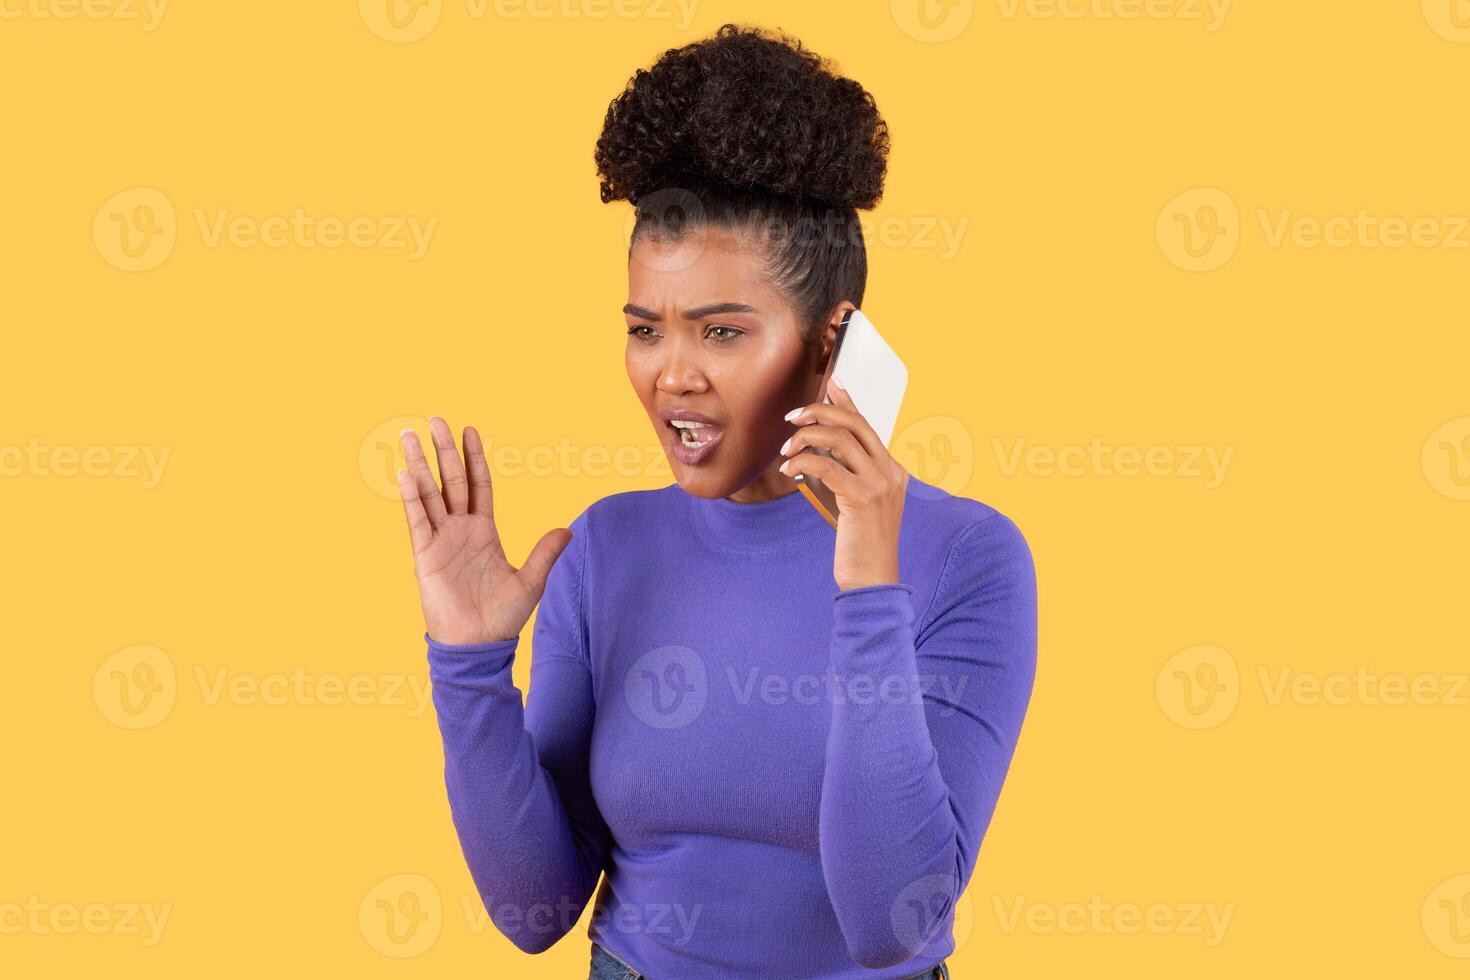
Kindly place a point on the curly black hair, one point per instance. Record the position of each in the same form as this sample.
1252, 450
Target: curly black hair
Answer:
748, 130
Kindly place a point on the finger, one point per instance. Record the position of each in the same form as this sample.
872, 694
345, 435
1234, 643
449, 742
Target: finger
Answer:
418, 468
482, 496
861, 428
838, 441
842, 417
842, 480
823, 413
451, 467
420, 531
541, 559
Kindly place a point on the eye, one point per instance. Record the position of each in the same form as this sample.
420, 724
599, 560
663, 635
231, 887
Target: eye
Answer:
733, 333
633, 331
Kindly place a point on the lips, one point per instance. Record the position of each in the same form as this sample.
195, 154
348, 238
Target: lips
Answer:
694, 439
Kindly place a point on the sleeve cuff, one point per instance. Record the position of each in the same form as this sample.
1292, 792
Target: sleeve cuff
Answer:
872, 625
859, 590
499, 646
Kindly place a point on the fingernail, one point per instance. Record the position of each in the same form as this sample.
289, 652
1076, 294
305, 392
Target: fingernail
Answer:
783, 466
785, 446
794, 413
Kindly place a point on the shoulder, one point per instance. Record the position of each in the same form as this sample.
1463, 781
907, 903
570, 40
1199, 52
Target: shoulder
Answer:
606, 531
984, 598
959, 527
620, 518
980, 555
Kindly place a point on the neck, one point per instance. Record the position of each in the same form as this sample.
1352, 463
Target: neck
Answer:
768, 486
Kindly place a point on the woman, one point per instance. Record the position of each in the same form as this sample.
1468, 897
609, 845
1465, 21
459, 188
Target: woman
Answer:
781, 742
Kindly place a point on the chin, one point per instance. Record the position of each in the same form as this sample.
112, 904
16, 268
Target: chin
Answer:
698, 483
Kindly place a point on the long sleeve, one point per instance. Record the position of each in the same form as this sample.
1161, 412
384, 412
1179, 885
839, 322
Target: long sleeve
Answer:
921, 743
518, 781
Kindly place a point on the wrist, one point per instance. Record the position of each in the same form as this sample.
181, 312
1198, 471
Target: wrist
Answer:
475, 638
863, 580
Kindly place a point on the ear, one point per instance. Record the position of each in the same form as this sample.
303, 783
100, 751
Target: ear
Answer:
828, 338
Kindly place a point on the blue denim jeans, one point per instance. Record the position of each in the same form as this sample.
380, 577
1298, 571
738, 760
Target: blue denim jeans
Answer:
606, 966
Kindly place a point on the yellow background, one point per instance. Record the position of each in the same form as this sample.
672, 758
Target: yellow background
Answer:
1073, 310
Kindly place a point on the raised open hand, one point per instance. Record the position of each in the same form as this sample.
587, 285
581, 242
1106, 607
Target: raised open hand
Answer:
470, 593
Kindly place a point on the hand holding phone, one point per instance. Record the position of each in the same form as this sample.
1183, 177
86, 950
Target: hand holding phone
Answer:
873, 375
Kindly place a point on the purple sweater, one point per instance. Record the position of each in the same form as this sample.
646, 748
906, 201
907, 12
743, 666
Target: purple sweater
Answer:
780, 778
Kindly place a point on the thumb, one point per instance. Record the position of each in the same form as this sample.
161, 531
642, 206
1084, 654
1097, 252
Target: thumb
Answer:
541, 559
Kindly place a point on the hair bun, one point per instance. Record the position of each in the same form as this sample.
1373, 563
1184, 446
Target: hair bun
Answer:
746, 111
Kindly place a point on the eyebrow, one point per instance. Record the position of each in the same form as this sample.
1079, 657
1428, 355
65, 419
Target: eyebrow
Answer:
698, 313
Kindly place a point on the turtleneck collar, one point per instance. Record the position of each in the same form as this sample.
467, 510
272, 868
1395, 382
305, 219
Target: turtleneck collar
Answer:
775, 528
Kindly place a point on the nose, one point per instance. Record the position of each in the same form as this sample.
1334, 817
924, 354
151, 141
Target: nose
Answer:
681, 374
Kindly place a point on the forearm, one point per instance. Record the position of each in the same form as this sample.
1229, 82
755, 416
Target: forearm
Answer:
888, 833
523, 851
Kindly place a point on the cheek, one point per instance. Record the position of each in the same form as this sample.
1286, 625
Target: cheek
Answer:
762, 393
641, 372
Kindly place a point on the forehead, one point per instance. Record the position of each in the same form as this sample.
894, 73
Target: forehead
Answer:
704, 265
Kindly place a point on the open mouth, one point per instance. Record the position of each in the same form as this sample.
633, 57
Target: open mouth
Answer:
692, 442
692, 435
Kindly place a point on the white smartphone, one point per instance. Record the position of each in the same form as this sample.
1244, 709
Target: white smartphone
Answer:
875, 377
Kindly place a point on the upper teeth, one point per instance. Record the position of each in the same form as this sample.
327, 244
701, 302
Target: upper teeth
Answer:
686, 424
